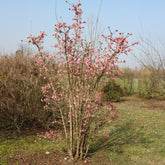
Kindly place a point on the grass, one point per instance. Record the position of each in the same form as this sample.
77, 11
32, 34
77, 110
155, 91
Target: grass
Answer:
137, 137
23, 145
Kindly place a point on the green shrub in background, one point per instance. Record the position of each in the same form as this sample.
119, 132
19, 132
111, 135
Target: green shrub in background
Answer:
151, 84
112, 91
129, 82
144, 84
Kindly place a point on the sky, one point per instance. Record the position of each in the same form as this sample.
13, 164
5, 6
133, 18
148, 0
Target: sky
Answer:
19, 18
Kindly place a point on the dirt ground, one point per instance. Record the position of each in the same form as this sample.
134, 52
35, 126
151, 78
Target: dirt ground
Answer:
54, 157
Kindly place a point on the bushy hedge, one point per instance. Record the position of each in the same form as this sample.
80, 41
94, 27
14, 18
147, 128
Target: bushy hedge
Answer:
20, 94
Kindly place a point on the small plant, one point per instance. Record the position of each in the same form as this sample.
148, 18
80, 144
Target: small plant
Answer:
112, 91
82, 71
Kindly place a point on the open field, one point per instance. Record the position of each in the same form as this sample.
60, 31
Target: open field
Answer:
137, 137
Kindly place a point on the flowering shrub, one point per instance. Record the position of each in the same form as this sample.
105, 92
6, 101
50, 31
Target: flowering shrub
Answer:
82, 70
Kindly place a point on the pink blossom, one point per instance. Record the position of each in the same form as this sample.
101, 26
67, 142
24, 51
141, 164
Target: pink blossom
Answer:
74, 76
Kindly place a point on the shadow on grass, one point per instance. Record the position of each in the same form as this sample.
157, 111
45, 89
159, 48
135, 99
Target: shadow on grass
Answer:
125, 134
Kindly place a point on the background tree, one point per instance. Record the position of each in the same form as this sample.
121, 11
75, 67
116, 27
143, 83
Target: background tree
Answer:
152, 60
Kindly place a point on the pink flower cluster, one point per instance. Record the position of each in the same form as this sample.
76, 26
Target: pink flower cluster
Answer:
77, 83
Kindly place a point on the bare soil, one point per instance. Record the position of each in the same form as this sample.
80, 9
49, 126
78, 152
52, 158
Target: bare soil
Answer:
54, 157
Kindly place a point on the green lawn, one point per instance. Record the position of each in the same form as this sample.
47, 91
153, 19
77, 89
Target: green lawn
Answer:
137, 137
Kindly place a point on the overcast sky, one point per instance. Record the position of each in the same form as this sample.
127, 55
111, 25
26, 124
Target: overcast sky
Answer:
19, 18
